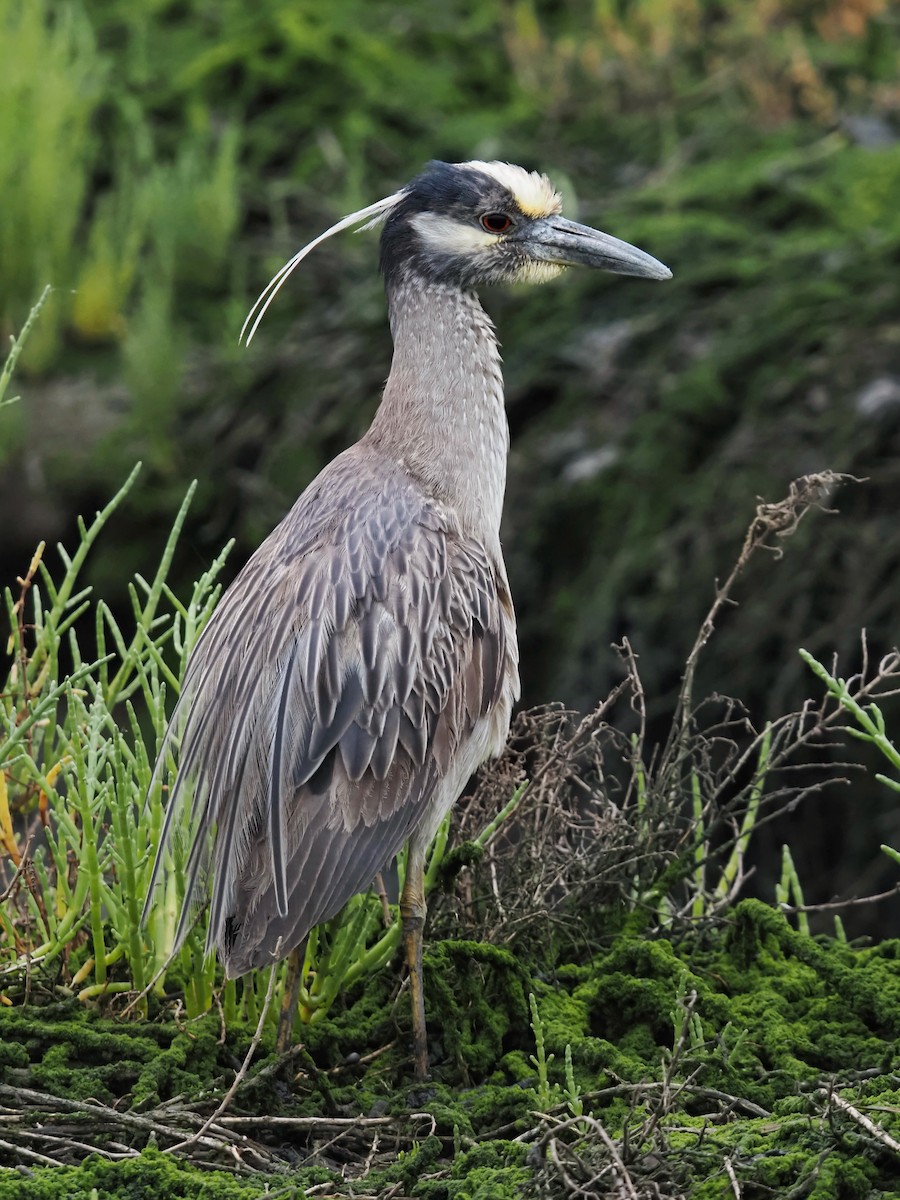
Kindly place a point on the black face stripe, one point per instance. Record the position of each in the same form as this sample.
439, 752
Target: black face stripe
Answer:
459, 193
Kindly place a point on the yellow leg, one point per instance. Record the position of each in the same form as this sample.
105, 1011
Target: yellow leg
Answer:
285, 1035
381, 892
412, 912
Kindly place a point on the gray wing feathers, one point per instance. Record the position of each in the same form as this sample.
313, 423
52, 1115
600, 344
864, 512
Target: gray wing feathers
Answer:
325, 700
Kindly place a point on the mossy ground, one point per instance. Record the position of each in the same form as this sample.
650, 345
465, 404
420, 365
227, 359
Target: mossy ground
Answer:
690, 1053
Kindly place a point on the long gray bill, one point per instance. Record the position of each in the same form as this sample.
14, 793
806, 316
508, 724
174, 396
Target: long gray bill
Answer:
556, 240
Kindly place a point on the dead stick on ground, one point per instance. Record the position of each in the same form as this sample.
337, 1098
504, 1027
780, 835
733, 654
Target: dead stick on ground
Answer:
621, 1171
245, 1065
31, 1155
861, 1119
56, 1140
733, 1179
93, 1109
314, 1123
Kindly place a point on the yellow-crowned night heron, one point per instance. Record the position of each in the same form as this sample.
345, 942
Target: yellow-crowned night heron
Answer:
364, 661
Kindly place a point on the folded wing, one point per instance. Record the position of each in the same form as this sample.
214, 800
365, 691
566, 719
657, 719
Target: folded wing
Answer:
337, 686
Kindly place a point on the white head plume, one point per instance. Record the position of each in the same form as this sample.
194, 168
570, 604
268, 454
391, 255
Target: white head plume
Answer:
372, 215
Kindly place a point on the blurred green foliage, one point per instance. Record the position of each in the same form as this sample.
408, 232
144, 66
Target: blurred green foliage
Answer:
159, 161
51, 86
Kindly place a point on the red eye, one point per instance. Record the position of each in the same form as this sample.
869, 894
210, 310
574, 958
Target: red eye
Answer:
496, 222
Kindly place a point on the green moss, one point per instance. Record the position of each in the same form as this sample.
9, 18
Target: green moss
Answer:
476, 997
466, 854
493, 1171
151, 1174
842, 1179
809, 1007
565, 1015
70, 1051
779, 1018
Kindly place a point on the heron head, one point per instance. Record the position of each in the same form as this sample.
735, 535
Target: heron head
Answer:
474, 223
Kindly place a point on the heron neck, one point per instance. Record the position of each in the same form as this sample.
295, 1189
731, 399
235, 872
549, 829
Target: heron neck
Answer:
442, 413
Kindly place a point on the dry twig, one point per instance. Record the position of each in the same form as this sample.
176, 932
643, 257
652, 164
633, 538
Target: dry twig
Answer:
833, 1098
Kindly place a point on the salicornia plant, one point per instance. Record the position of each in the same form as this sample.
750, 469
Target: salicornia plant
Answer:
870, 724
81, 713
83, 710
